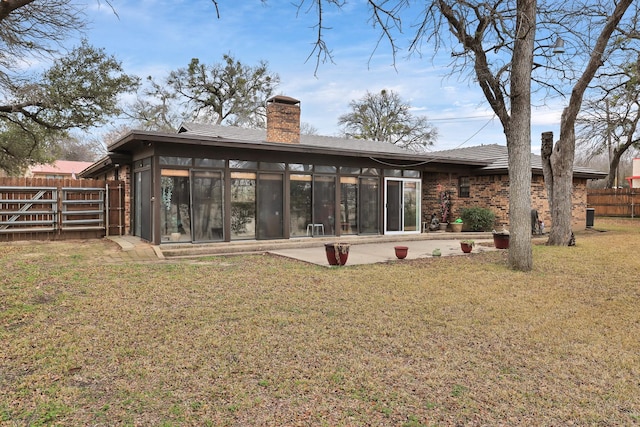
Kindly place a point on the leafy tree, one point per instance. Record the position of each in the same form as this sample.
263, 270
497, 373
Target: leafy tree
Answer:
229, 92
609, 122
80, 90
386, 117
156, 108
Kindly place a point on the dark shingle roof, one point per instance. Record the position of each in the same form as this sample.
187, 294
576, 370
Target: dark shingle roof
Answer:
497, 157
259, 136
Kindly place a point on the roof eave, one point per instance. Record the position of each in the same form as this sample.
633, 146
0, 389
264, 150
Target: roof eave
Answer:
200, 140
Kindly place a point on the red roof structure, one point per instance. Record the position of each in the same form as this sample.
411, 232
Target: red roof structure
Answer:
58, 169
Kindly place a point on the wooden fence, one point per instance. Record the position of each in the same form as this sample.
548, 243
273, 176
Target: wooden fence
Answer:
55, 209
621, 202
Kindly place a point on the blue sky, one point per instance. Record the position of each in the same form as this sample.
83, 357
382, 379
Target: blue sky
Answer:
153, 37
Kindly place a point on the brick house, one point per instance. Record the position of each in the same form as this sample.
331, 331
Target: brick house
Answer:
211, 183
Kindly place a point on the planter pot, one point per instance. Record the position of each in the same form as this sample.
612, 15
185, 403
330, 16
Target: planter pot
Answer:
456, 227
401, 251
443, 226
501, 241
466, 247
175, 237
337, 253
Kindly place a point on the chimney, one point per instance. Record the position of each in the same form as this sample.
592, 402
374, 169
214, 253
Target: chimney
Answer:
283, 120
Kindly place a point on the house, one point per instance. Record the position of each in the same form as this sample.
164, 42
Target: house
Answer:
59, 169
210, 183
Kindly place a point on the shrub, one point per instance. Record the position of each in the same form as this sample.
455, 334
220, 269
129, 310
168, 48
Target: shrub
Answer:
478, 219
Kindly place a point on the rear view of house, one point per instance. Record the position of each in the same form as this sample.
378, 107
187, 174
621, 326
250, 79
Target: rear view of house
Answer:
211, 183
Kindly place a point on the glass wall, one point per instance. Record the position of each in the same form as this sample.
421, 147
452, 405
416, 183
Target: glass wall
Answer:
175, 218
321, 200
369, 214
300, 205
394, 205
142, 209
243, 205
324, 205
270, 205
208, 218
410, 206
348, 205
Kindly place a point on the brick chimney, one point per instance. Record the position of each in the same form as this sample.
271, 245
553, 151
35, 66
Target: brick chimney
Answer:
283, 120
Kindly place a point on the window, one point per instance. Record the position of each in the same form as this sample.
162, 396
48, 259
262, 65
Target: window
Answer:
463, 186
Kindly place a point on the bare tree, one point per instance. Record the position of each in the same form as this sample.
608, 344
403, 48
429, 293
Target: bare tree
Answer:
74, 149
609, 122
386, 117
557, 160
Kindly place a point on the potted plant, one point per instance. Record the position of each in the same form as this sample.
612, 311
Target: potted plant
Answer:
467, 245
445, 208
456, 226
337, 253
501, 239
401, 251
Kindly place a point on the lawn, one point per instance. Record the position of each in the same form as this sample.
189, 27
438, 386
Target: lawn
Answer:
267, 341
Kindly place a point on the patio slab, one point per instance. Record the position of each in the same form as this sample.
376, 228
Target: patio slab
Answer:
370, 253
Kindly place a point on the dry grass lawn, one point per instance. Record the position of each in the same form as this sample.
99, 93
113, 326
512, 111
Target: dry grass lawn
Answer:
266, 341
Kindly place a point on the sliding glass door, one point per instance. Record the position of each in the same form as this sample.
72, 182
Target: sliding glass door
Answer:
402, 205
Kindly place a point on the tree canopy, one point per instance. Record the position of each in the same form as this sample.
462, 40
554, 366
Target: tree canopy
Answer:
80, 90
229, 92
386, 117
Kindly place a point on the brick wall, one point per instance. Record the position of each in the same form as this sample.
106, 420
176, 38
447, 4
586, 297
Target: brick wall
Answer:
283, 120
492, 192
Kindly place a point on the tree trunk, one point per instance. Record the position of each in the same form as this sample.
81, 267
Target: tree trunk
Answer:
561, 160
546, 148
519, 139
613, 169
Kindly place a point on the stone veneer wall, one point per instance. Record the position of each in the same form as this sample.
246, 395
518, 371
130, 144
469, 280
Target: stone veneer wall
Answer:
492, 192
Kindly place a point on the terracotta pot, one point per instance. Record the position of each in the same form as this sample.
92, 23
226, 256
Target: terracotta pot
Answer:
401, 251
501, 241
339, 258
466, 247
443, 226
456, 227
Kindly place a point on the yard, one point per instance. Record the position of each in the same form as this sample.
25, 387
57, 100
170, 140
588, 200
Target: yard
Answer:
267, 341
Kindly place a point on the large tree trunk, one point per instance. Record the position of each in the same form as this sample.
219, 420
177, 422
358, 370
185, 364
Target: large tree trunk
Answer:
560, 201
519, 139
563, 153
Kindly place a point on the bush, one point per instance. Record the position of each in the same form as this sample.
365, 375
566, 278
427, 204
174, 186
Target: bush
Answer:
478, 219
